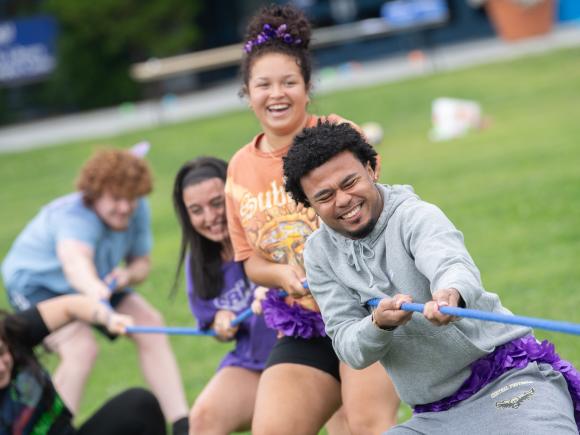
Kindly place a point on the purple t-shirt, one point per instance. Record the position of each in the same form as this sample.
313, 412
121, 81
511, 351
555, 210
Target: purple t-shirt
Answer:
254, 339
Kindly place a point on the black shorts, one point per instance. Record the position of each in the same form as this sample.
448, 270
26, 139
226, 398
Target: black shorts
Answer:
312, 352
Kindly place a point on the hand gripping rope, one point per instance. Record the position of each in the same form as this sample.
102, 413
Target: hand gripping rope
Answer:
533, 322
246, 314
185, 331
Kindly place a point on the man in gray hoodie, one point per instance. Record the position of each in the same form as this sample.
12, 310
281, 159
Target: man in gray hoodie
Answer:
379, 241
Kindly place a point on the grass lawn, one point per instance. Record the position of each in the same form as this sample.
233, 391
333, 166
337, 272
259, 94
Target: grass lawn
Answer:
513, 189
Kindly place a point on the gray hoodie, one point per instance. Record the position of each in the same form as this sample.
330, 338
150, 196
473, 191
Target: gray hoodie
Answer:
413, 249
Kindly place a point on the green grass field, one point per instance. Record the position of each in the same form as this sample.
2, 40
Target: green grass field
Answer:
513, 189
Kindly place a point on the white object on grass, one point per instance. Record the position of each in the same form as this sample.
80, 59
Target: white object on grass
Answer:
453, 118
373, 132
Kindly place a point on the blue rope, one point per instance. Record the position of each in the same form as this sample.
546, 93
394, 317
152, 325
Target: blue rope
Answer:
111, 286
173, 330
246, 314
533, 322
169, 330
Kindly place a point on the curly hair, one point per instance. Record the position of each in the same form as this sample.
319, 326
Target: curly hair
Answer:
298, 26
118, 172
315, 146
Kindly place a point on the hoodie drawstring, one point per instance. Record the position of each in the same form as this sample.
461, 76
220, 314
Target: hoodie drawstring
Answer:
364, 252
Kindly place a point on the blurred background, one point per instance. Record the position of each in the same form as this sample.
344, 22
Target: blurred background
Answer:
65, 56
77, 75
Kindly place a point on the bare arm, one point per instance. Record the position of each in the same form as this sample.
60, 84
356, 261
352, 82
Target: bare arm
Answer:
139, 268
135, 272
77, 259
269, 274
59, 311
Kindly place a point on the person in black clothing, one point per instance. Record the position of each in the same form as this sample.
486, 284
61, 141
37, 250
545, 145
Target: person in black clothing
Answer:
29, 403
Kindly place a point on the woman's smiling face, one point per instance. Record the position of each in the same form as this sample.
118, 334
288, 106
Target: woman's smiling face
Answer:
278, 94
205, 204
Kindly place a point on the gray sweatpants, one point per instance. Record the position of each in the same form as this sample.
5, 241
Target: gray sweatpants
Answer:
534, 400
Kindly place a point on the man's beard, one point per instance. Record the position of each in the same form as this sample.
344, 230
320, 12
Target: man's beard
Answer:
363, 232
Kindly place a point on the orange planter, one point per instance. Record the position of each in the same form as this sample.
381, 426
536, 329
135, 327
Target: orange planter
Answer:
513, 21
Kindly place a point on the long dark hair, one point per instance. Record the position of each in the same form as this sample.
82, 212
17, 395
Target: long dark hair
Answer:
14, 333
17, 337
205, 259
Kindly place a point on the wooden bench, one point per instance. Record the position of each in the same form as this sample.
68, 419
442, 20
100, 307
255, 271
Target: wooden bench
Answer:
215, 58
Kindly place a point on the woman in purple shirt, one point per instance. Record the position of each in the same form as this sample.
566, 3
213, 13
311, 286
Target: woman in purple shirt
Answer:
218, 290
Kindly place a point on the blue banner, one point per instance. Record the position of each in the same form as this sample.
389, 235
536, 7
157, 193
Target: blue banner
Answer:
27, 49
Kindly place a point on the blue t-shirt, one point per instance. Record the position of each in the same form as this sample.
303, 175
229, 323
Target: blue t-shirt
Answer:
32, 261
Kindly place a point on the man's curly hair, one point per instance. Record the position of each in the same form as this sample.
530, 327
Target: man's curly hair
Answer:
117, 172
315, 146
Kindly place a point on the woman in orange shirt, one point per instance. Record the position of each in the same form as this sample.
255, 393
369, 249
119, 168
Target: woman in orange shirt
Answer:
303, 384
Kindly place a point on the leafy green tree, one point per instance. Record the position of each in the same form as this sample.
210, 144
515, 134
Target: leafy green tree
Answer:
99, 40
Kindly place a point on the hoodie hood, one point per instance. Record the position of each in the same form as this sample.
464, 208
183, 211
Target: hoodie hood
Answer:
359, 251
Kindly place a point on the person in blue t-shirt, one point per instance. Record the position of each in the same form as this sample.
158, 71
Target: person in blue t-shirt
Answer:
96, 241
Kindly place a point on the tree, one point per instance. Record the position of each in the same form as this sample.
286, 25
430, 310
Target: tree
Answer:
99, 40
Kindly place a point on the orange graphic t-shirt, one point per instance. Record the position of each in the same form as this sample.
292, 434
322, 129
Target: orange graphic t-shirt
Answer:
262, 217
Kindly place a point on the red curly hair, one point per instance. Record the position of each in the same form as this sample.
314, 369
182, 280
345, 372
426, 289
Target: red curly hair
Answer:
117, 172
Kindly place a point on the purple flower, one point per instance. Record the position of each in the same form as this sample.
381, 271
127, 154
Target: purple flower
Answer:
268, 33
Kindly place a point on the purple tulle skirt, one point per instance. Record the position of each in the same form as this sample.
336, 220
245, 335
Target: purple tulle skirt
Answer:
515, 354
291, 320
